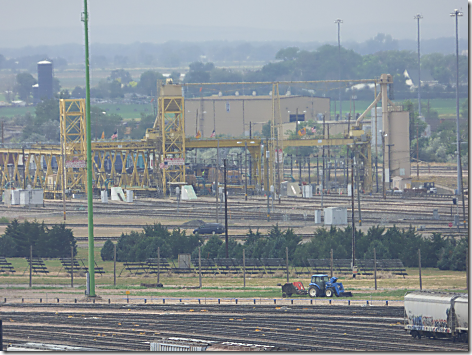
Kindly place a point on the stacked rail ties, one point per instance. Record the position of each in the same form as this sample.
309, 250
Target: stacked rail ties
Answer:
262, 327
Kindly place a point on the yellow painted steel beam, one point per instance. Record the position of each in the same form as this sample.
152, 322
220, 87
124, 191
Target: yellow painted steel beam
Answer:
285, 82
319, 142
224, 143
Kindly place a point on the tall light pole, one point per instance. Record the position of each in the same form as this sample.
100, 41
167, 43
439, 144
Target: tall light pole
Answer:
91, 260
339, 22
418, 17
456, 14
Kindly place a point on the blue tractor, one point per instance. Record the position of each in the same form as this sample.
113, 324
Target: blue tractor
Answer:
322, 285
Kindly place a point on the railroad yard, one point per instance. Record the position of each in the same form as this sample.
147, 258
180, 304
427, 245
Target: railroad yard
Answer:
285, 328
113, 323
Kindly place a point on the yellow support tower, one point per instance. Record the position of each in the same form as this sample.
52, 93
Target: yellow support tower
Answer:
73, 145
171, 120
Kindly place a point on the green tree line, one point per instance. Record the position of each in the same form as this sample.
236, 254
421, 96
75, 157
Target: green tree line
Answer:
47, 242
445, 253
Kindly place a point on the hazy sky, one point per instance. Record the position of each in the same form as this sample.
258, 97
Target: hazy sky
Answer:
47, 22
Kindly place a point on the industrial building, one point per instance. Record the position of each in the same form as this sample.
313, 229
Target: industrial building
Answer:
157, 163
237, 115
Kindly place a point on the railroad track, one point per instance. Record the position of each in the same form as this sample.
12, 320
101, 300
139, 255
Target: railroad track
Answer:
293, 328
375, 211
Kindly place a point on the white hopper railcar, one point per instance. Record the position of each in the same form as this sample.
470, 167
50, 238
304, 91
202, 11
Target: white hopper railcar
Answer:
437, 315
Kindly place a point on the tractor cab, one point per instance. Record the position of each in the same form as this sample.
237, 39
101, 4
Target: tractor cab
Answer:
320, 281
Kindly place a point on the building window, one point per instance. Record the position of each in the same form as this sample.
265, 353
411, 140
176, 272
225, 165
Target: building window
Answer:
293, 118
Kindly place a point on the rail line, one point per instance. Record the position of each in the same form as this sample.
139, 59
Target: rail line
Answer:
293, 328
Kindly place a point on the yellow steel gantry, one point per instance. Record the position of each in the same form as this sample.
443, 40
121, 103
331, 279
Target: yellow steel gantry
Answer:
162, 151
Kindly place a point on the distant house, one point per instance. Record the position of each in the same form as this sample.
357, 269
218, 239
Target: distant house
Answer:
412, 78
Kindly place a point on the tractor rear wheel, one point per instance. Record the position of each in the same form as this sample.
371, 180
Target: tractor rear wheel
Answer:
313, 292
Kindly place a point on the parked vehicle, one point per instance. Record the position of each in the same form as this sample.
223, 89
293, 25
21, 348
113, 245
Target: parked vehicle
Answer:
320, 286
437, 315
210, 228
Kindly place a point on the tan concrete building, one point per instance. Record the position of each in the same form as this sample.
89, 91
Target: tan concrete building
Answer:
232, 115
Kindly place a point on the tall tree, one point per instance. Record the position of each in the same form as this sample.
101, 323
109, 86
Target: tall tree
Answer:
24, 87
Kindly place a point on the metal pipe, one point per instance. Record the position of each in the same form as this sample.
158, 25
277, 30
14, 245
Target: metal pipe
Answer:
91, 257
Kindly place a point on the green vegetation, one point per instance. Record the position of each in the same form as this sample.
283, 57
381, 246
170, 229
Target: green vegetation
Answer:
392, 243
143, 245
51, 242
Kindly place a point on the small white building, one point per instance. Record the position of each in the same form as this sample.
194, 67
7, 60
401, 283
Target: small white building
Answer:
335, 216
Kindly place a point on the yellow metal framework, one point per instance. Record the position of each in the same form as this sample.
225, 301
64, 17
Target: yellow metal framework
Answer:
172, 130
73, 146
162, 144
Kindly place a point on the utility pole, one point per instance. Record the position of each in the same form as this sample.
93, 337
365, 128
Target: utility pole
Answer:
226, 211
457, 14
245, 170
376, 142
352, 215
217, 168
91, 257
389, 170
358, 189
418, 17
383, 165
71, 266
266, 188
339, 22
417, 154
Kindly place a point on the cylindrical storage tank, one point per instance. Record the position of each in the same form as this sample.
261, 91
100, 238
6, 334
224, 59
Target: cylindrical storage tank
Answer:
45, 80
